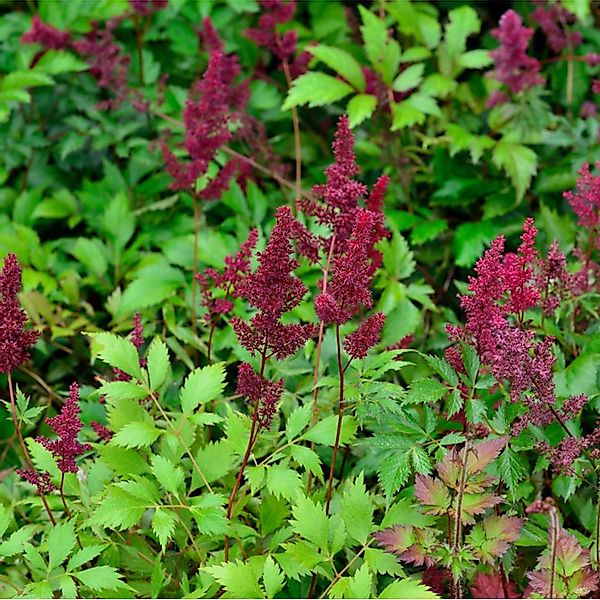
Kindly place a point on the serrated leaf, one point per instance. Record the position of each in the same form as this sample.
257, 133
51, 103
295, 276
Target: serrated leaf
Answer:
118, 510
427, 390
518, 162
114, 391
17, 540
409, 589
297, 421
511, 470
325, 430
54, 62
118, 352
357, 510
136, 435
169, 476
283, 482
432, 492
163, 525
238, 579
84, 555
101, 578
315, 89
201, 386
24, 79
405, 115
410, 78
273, 578
360, 583
393, 472
310, 521
61, 540
158, 363
360, 107
341, 62
475, 59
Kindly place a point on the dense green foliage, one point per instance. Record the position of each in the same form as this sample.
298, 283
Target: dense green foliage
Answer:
410, 472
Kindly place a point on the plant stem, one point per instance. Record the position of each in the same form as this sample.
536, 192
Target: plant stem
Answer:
296, 126
30, 464
62, 495
195, 259
315, 406
338, 432
213, 325
251, 441
458, 517
553, 548
139, 42
597, 530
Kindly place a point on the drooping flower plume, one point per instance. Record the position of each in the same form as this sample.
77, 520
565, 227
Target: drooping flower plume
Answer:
15, 341
275, 12
554, 21
46, 36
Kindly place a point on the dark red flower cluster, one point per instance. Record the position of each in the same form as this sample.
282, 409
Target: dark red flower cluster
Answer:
256, 388
505, 287
212, 104
358, 344
226, 280
274, 290
553, 19
276, 12
15, 342
102, 431
67, 426
513, 66
46, 36
41, 480
107, 64
147, 7
585, 202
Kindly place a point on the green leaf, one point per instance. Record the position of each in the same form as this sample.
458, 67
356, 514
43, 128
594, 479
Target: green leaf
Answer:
315, 89
463, 22
475, 59
297, 421
357, 511
382, 52
360, 583
158, 363
136, 435
201, 386
84, 555
210, 515
170, 477
273, 577
393, 472
427, 390
470, 240
24, 79
118, 352
119, 509
518, 162
511, 470
54, 62
61, 540
101, 578
405, 115
325, 430
163, 525
407, 588
68, 589
17, 540
282, 481
310, 521
117, 391
238, 579
410, 78
5, 519
341, 62
360, 107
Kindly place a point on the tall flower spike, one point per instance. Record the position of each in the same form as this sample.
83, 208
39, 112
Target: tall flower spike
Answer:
514, 67
15, 342
585, 201
67, 426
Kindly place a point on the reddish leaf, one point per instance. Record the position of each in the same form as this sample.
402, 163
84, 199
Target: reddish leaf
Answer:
396, 539
493, 586
433, 493
482, 454
492, 538
475, 504
573, 576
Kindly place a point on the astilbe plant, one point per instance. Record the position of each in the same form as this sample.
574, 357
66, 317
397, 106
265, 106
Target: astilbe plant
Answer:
349, 260
554, 21
459, 497
273, 290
